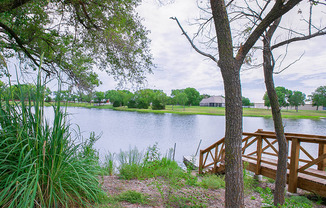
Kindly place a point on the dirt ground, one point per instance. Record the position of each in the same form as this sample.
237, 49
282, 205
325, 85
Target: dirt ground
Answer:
160, 195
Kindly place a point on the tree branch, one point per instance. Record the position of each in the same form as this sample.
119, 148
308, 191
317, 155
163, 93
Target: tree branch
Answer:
277, 11
192, 44
278, 72
298, 39
21, 45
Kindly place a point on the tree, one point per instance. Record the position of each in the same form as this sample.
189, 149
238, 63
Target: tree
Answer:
99, 96
266, 100
296, 99
144, 97
181, 99
112, 95
275, 97
159, 100
75, 37
125, 96
245, 101
230, 68
282, 97
193, 96
318, 97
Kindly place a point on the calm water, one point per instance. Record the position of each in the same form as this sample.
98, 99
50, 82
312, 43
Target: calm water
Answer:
121, 130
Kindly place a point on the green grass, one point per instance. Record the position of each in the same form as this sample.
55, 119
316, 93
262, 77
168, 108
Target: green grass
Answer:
292, 201
41, 164
212, 182
218, 111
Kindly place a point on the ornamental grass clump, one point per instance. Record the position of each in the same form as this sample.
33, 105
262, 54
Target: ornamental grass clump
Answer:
40, 163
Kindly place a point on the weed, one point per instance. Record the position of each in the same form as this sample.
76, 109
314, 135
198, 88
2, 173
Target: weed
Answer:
293, 201
133, 197
108, 165
212, 182
248, 180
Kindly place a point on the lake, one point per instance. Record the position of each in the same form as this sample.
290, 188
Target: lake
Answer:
122, 129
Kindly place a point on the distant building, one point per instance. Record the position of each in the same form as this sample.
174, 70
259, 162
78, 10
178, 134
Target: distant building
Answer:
214, 101
260, 105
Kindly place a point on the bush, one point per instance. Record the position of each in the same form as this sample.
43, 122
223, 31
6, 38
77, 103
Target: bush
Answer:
41, 166
142, 105
116, 104
132, 104
157, 105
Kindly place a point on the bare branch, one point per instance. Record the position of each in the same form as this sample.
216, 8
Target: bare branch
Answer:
298, 39
289, 64
191, 42
318, 2
277, 11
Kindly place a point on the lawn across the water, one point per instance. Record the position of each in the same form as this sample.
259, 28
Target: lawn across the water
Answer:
219, 111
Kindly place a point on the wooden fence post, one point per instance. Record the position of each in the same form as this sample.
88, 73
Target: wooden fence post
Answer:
259, 154
294, 164
322, 150
200, 168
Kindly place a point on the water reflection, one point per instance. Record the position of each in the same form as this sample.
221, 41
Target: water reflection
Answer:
121, 129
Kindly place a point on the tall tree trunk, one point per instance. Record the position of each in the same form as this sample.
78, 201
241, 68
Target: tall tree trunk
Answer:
233, 137
230, 68
268, 66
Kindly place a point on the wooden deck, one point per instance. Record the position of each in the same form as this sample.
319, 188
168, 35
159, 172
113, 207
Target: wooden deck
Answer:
259, 151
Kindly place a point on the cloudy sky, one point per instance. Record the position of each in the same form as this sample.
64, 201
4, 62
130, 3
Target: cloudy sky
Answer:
179, 66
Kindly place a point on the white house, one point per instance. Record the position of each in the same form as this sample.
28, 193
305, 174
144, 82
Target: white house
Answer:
214, 101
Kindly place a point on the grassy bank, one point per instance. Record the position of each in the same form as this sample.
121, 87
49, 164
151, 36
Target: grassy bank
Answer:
196, 110
147, 179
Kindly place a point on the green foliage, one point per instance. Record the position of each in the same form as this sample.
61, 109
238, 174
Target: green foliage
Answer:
193, 96
108, 165
116, 104
99, 96
318, 97
181, 98
297, 99
189, 96
283, 96
249, 182
142, 105
212, 182
132, 104
293, 201
157, 105
90, 34
245, 101
40, 163
133, 197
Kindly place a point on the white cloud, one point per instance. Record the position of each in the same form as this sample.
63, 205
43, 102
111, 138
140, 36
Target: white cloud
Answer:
179, 66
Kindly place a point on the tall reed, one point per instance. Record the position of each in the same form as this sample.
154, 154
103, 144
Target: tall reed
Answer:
40, 164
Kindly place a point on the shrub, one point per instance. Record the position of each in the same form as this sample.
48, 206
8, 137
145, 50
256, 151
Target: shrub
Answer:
132, 104
142, 105
41, 166
157, 105
116, 104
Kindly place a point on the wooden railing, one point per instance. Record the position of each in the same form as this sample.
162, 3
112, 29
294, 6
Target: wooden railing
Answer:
260, 149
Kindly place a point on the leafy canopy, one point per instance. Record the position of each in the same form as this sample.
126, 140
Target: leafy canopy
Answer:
318, 97
283, 95
76, 36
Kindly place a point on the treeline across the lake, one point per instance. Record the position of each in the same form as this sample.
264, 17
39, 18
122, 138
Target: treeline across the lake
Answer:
142, 99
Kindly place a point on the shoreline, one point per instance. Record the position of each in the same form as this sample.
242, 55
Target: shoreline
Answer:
213, 111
